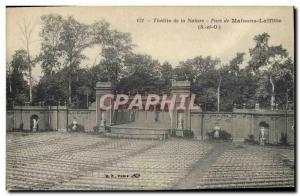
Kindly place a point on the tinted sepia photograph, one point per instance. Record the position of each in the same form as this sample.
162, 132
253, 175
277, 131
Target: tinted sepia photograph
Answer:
150, 98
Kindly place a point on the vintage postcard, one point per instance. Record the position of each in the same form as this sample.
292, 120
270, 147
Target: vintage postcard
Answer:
150, 98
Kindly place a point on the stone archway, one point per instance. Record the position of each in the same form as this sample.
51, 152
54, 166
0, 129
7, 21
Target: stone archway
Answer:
264, 124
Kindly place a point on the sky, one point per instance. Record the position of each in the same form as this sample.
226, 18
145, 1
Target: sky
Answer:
165, 41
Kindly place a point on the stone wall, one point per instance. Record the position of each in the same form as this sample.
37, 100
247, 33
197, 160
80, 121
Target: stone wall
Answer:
86, 118
240, 123
50, 118
121, 117
9, 120
21, 116
153, 119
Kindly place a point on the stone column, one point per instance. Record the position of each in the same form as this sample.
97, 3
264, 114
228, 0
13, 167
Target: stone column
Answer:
103, 117
181, 88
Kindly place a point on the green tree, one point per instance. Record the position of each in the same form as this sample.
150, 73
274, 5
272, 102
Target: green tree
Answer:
17, 87
26, 38
115, 48
274, 69
51, 53
63, 43
51, 88
166, 76
141, 74
191, 69
237, 85
75, 37
202, 73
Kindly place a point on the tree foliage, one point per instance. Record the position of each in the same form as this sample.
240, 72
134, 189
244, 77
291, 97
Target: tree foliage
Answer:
17, 88
141, 75
267, 76
63, 43
115, 48
51, 53
274, 70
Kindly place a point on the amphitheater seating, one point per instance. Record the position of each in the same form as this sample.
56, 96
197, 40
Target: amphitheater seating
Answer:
255, 167
160, 167
78, 161
50, 163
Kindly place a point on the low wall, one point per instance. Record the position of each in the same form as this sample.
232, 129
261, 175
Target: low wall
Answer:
50, 118
153, 119
121, 117
240, 124
86, 118
9, 120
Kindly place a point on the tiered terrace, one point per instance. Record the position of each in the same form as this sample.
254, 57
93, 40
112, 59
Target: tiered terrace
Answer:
64, 161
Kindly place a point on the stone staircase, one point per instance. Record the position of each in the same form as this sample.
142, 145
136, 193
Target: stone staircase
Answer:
139, 131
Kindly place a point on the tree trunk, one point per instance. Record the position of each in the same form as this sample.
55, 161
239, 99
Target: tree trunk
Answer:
218, 94
29, 71
116, 76
70, 80
27, 30
287, 99
70, 90
87, 100
272, 94
30, 84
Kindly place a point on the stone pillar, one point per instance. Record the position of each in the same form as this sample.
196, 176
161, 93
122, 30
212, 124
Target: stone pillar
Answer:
257, 106
103, 117
184, 116
234, 106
